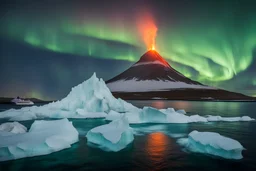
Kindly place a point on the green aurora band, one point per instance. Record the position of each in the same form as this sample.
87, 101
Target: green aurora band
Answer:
215, 52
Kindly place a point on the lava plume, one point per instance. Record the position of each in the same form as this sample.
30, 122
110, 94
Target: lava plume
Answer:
147, 29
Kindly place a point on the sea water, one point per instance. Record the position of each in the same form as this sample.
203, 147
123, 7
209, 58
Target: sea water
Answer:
154, 146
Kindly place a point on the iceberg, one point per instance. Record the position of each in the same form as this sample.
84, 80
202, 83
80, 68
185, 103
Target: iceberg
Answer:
181, 111
90, 99
44, 137
93, 99
133, 117
197, 118
153, 115
85, 114
211, 118
168, 110
112, 115
13, 127
114, 136
212, 143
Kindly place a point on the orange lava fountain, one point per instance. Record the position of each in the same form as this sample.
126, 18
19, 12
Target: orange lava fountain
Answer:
147, 29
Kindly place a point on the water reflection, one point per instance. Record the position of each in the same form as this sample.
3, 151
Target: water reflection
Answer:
157, 145
158, 104
182, 105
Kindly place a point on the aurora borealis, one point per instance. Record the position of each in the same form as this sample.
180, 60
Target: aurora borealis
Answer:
49, 46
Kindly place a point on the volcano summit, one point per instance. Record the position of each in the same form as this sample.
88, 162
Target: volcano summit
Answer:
153, 78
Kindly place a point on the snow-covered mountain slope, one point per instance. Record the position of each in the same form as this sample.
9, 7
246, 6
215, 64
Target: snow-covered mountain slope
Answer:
134, 85
153, 78
152, 73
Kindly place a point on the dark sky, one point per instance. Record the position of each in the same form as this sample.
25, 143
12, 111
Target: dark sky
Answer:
48, 46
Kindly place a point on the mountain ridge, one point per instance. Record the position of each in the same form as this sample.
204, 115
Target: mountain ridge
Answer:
153, 77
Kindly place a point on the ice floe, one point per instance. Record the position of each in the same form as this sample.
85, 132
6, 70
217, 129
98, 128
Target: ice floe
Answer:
153, 115
114, 136
211, 118
181, 111
212, 143
44, 137
13, 127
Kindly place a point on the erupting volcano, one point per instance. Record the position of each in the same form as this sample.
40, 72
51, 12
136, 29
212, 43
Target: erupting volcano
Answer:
153, 78
151, 73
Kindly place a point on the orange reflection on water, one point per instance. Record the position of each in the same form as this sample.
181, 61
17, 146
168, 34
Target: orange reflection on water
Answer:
158, 104
182, 105
157, 144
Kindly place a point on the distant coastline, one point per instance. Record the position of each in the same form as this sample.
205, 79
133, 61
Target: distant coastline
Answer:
7, 100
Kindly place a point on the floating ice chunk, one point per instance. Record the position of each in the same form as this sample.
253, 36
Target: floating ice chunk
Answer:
211, 118
85, 114
18, 115
173, 135
13, 127
152, 115
175, 117
44, 137
181, 111
168, 110
112, 115
197, 118
90, 99
212, 143
133, 117
114, 136
246, 118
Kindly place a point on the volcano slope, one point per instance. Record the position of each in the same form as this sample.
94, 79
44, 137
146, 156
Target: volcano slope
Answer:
153, 78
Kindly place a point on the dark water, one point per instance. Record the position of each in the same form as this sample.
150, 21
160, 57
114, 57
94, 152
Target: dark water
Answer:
154, 147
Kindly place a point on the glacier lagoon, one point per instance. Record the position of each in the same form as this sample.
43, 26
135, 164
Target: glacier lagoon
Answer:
155, 145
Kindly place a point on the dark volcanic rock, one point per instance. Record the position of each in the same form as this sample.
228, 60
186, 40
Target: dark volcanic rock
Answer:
152, 66
153, 78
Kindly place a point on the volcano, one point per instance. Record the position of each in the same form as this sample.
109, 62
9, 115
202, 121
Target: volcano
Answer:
153, 78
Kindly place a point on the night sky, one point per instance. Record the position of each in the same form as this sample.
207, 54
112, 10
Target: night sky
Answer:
49, 46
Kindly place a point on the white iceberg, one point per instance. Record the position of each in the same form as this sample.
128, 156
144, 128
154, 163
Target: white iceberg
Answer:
44, 137
168, 110
212, 143
93, 99
181, 111
84, 114
153, 115
197, 118
13, 127
211, 118
90, 99
112, 115
114, 136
